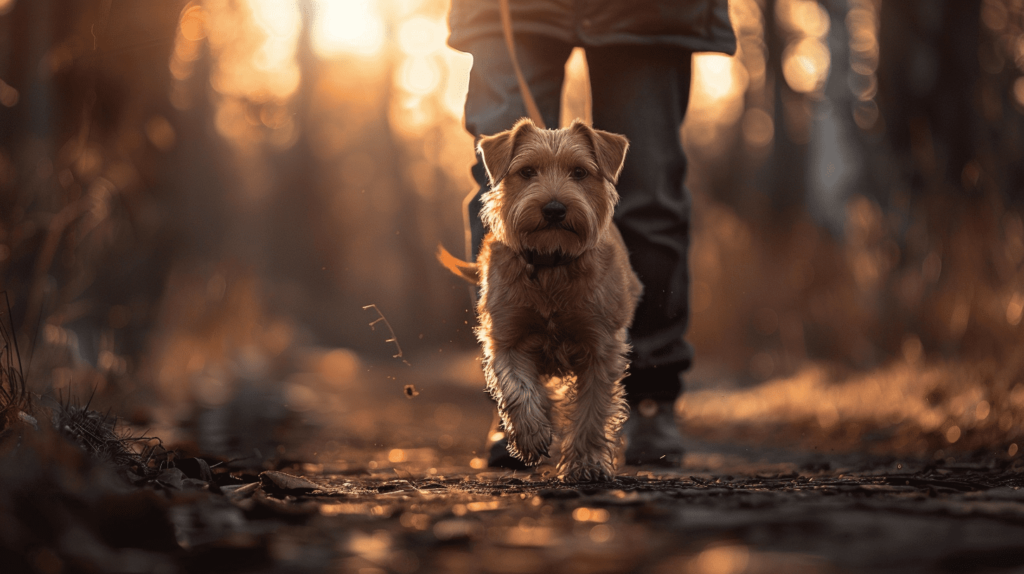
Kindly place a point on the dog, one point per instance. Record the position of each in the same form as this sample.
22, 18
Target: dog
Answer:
556, 293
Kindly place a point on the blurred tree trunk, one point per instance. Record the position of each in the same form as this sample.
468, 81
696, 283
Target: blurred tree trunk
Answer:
928, 77
77, 197
788, 165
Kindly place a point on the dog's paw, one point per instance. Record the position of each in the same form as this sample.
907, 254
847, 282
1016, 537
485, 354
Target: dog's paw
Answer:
530, 447
579, 471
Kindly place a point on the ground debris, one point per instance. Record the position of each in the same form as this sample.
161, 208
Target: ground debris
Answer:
279, 482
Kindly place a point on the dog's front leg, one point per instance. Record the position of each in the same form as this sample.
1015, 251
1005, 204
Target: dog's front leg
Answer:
523, 404
597, 413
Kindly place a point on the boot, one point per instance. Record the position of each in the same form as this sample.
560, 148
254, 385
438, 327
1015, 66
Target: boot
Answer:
652, 436
497, 448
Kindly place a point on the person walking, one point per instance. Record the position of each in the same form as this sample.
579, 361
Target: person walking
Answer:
639, 55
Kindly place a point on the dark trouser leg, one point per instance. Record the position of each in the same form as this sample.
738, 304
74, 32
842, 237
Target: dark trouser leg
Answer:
642, 93
494, 103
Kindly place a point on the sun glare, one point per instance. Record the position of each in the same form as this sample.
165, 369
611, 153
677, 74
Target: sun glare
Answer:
346, 27
419, 76
280, 23
713, 77
805, 65
806, 59
420, 36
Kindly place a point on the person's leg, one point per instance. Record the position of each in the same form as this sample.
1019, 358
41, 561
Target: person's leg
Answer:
642, 93
494, 102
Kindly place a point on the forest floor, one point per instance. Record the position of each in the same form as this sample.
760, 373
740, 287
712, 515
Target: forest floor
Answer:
380, 481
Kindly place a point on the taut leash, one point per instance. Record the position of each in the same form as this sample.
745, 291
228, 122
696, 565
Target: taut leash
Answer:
510, 43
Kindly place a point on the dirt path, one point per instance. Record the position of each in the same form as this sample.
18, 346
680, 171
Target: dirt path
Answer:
394, 489
800, 515
365, 480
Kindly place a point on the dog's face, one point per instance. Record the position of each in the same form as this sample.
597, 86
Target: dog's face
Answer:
551, 190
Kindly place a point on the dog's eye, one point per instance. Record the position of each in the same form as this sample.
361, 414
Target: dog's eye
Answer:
528, 172
579, 173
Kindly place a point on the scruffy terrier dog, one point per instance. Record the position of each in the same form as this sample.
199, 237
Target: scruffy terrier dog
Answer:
557, 292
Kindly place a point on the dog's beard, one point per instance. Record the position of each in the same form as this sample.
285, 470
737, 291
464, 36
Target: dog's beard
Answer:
572, 236
560, 226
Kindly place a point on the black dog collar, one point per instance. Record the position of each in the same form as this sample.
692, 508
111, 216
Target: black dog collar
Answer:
538, 260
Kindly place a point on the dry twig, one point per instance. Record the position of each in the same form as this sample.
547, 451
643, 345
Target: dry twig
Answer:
393, 339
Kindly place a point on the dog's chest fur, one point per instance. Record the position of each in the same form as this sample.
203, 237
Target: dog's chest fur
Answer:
555, 320
555, 311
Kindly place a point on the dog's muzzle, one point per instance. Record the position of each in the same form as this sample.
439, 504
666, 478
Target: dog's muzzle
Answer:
554, 212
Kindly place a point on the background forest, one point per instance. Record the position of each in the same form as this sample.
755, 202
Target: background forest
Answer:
198, 199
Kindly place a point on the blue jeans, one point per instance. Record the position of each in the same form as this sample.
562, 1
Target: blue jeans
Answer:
640, 92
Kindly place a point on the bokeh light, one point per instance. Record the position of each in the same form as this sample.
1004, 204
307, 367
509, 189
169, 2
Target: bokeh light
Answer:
805, 65
421, 36
713, 77
418, 76
346, 27
806, 58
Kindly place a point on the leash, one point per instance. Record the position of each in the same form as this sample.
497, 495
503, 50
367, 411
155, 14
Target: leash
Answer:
510, 43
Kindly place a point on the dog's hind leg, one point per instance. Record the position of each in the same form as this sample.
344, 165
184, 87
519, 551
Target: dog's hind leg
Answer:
523, 403
595, 419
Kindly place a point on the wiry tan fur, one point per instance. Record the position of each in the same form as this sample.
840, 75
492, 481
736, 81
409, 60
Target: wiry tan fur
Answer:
568, 321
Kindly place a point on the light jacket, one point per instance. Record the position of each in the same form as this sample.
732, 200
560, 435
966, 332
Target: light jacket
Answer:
696, 25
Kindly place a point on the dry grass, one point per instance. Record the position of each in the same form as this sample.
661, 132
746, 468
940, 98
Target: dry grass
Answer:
14, 396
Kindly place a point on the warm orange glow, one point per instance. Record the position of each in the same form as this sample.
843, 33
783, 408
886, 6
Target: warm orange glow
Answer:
193, 23
887, 396
421, 36
252, 48
713, 76
807, 17
346, 27
576, 97
861, 24
187, 43
455, 90
716, 97
758, 127
279, 24
722, 560
805, 65
1014, 309
254, 58
418, 76
862, 27
806, 58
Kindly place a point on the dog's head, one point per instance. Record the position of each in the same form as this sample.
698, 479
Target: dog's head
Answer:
551, 190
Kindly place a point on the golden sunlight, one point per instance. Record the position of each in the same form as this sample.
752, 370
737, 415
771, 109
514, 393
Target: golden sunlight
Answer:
713, 76
420, 36
806, 59
254, 59
279, 22
716, 99
805, 65
346, 27
419, 76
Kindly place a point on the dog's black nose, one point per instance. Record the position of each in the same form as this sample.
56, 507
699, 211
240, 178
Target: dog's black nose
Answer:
553, 212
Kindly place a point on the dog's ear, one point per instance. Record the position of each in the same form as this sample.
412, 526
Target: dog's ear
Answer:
497, 150
609, 149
